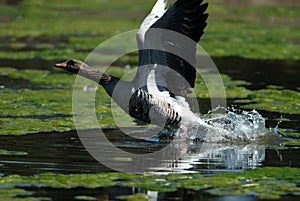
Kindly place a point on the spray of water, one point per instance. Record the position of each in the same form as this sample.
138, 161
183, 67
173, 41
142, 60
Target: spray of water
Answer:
233, 126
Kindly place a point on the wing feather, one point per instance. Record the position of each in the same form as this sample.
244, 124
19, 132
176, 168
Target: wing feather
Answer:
156, 13
186, 17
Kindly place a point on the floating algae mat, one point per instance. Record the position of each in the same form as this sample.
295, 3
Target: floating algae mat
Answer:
33, 110
263, 183
251, 32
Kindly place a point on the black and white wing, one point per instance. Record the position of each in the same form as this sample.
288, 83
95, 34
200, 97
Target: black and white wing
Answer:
171, 42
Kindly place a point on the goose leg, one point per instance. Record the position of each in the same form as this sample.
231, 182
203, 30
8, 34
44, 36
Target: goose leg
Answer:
183, 132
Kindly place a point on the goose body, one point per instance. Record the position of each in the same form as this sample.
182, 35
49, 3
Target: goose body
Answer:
157, 93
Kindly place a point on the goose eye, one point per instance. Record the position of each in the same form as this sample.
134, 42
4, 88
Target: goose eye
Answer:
70, 63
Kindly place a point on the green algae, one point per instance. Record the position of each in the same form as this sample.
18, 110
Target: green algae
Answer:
233, 88
292, 135
12, 153
48, 105
46, 108
283, 101
264, 183
273, 98
40, 78
255, 33
134, 197
292, 143
87, 25
84, 197
12, 194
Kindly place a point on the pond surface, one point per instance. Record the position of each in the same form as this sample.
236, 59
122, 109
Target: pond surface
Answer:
257, 72
64, 152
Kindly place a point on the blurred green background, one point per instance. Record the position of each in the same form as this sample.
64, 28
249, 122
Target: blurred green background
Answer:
254, 29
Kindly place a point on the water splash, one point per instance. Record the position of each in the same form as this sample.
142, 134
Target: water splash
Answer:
234, 126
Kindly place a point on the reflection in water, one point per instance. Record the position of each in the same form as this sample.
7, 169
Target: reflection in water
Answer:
64, 153
219, 157
208, 157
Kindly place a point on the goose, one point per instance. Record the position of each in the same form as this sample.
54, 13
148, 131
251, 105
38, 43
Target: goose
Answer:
166, 40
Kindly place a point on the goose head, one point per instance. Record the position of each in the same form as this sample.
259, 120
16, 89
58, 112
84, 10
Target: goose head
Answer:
79, 67
72, 65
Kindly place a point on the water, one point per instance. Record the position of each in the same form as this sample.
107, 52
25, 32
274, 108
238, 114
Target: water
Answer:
64, 153
113, 193
10, 2
237, 142
284, 72
245, 144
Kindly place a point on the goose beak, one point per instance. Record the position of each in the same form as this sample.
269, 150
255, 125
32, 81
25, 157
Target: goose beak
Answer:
61, 65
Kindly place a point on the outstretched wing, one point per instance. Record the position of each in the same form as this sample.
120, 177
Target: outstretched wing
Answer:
186, 18
156, 13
